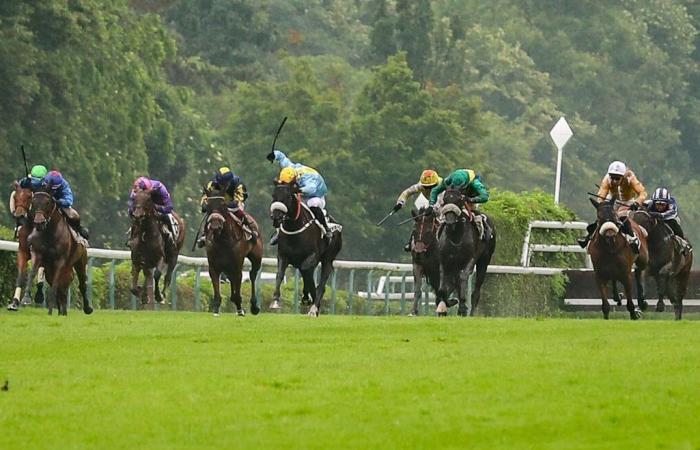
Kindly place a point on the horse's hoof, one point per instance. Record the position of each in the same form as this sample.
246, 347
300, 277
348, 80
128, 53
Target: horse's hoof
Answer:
462, 312
412, 314
240, 312
441, 308
643, 305
14, 305
313, 311
275, 305
88, 310
216, 314
39, 298
452, 301
636, 314
254, 309
660, 306
618, 300
442, 314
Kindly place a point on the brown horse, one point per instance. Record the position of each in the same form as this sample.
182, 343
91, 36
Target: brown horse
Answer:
227, 247
56, 250
424, 254
20, 205
151, 253
613, 257
669, 264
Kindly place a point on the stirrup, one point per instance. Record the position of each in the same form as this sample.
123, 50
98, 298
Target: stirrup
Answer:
583, 242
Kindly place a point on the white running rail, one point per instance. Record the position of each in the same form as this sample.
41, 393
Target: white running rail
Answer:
529, 248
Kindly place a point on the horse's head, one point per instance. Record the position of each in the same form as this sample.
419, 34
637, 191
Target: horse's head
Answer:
43, 206
423, 229
453, 202
216, 202
608, 222
217, 221
143, 205
22, 200
284, 202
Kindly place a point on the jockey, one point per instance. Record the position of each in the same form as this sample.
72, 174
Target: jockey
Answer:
61, 192
311, 185
32, 181
664, 205
235, 195
622, 185
428, 180
162, 203
472, 187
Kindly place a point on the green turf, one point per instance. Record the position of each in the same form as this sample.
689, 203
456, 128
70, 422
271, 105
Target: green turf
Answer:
186, 380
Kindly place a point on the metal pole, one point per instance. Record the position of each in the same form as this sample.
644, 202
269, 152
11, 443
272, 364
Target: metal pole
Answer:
386, 293
111, 283
351, 285
333, 290
197, 286
258, 277
558, 180
403, 294
173, 289
88, 292
369, 292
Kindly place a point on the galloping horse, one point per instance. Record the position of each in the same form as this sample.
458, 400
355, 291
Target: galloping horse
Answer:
57, 251
150, 252
613, 258
21, 205
227, 246
301, 244
668, 264
424, 254
461, 248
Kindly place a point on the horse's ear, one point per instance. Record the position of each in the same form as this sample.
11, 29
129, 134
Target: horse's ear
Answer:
594, 203
15, 184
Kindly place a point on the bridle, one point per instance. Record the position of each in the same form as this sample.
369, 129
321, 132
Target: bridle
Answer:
42, 213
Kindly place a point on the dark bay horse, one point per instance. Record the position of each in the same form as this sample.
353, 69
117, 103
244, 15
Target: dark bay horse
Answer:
461, 250
424, 254
668, 263
21, 208
150, 252
613, 258
227, 246
301, 244
56, 250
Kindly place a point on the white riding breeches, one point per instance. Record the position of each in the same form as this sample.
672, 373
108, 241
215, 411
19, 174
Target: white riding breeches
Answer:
316, 202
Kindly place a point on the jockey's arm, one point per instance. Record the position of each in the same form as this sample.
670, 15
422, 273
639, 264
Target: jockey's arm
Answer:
604, 189
130, 204
240, 193
165, 205
282, 159
482, 194
66, 198
639, 189
307, 186
437, 190
408, 193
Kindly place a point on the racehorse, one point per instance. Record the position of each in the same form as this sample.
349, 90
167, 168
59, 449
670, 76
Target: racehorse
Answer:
613, 257
461, 249
21, 203
57, 251
150, 251
301, 244
424, 254
227, 246
668, 264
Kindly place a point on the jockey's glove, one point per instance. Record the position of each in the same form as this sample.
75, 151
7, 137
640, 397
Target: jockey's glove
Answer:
397, 206
634, 206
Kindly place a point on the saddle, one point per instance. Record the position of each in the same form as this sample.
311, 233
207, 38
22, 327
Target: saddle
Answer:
247, 232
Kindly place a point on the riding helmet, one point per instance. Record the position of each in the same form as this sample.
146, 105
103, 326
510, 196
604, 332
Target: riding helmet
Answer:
223, 175
287, 175
143, 183
429, 178
617, 168
38, 171
661, 195
53, 179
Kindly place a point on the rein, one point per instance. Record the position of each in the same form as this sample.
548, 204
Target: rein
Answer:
53, 210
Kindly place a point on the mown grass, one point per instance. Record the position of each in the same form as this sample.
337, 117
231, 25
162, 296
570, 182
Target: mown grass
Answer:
189, 380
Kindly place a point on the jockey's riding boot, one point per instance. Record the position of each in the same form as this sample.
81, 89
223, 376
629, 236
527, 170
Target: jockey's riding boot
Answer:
634, 243
583, 241
407, 247
201, 241
590, 229
84, 232
321, 218
488, 233
275, 237
253, 233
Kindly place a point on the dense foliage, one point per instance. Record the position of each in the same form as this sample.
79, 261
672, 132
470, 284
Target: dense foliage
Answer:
375, 92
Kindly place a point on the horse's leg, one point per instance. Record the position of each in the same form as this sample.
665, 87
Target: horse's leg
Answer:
635, 313
156, 282
326, 271
442, 293
680, 288
282, 264
81, 270
308, 276
148, 284
617, 296
215, 283
481, 267
641, 294
235, 275
661, 292
603, 288
417, 287
21, 282
462, 281
255, 263
135, 288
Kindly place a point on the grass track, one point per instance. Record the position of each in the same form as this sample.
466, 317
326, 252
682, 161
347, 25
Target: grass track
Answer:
186, 380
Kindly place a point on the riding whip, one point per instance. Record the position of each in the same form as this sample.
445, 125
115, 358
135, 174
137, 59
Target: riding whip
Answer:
24, 157
391, 213
271, 155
